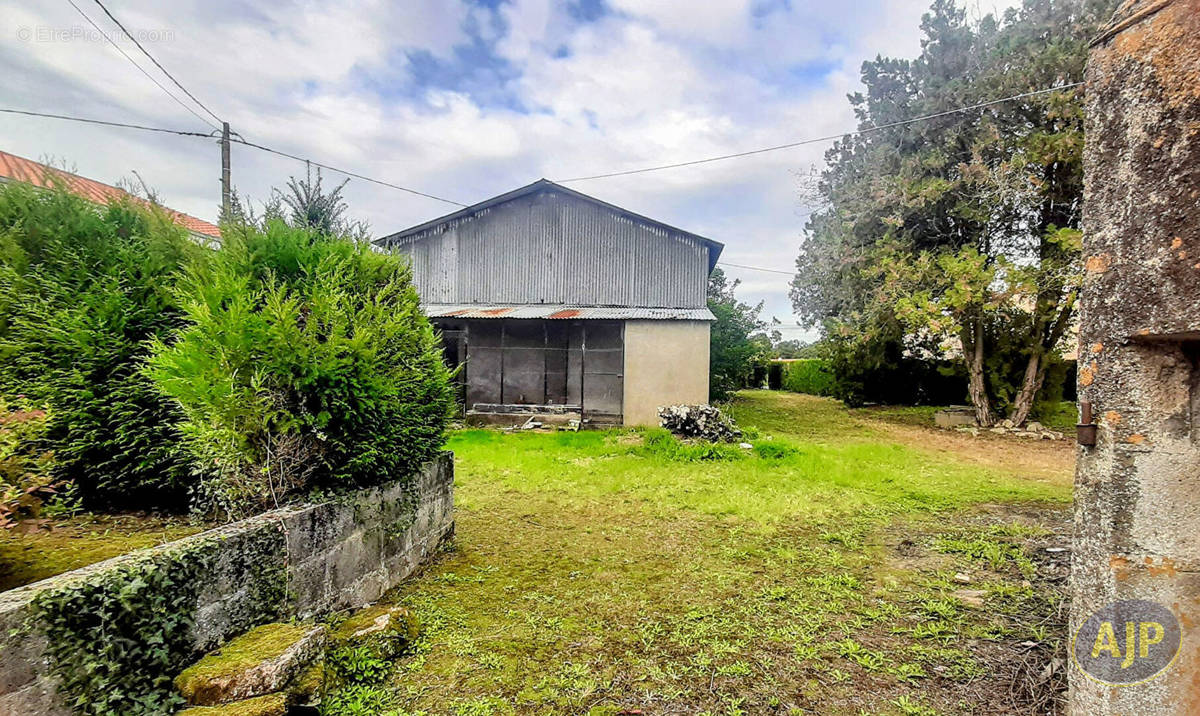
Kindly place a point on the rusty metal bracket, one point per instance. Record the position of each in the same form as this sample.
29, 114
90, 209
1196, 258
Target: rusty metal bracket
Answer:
1085, 431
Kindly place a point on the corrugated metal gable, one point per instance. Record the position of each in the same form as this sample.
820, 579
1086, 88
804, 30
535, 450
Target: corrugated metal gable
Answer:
554, 247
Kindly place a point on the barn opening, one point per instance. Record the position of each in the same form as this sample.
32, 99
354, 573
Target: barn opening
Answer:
517, 367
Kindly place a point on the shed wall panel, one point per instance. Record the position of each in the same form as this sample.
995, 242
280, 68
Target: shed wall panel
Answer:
551, 248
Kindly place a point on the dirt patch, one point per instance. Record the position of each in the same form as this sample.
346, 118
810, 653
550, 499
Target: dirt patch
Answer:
1050, 461
1017, 603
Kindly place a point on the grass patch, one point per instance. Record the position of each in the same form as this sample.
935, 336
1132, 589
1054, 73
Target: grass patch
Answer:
601, 572
74, 542
784, 477
916, 415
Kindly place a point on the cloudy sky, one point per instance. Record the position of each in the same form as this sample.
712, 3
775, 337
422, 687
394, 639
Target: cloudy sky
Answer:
466, 100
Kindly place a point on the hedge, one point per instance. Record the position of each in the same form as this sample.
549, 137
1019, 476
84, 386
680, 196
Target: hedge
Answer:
808, 375
305, 363
83, 288
172, 375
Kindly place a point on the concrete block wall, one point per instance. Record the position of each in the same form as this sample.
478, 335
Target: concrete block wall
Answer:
301, 561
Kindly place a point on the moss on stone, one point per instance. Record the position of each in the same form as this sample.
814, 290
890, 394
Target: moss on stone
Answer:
260, 644
308, 684
269, 705
387, 630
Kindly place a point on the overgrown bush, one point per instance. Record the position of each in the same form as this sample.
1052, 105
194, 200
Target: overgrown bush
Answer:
813, 376
699, 421
306, 364
82, 289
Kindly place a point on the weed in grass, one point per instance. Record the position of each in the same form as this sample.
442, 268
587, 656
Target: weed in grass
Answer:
940, 631
994, 551
359, 700
910, 706
908, 672
774, 450
481, 707
850, 539
948, 609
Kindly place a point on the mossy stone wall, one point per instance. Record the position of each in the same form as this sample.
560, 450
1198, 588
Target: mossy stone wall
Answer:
88, 641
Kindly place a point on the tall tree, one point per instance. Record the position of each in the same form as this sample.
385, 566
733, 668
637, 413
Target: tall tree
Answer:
964, 228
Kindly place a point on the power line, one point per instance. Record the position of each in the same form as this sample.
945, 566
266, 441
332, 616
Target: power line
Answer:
826, 138
180, 132
185, 133
135, 64
156, 62
348, 173
755, 268
595, 176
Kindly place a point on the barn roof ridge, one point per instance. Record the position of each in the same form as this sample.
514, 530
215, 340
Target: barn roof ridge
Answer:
714, 247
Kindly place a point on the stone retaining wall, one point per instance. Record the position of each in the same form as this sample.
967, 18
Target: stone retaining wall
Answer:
300, 561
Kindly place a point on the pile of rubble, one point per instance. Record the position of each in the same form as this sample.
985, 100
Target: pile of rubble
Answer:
1032, 429
699, 421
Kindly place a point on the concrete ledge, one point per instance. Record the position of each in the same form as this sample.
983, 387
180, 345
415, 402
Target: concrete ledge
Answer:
301, 561
955, 416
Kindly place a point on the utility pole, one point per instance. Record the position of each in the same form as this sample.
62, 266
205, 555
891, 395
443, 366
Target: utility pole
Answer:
225, 188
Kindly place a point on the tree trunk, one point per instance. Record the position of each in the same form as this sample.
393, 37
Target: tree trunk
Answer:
1035, 375
972, 340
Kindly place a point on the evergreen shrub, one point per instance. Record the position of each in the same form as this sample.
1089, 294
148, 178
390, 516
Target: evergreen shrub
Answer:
305, 364
83, 288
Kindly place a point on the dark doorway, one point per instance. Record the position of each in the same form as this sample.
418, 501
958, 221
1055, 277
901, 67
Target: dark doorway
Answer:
574, 366
603, 371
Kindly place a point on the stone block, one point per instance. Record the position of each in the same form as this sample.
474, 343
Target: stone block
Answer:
387, 630
269, 705
259, 662
954, 417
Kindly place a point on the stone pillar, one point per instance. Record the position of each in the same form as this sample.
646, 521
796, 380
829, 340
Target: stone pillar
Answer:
1137, 491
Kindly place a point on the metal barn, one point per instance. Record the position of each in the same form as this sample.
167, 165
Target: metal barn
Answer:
563, 306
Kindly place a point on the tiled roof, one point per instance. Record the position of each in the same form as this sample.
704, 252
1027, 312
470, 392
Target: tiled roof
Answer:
20, 169
563, 312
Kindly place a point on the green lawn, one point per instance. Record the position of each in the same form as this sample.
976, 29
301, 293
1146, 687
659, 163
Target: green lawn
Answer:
621, 572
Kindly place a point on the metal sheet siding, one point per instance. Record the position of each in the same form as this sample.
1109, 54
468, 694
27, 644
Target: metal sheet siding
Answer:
550, 248
554, 311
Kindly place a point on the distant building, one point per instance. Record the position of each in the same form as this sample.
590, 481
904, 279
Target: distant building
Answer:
20, 169
561, 305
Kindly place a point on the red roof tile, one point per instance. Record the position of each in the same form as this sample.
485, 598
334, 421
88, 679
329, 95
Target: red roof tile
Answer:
38, 174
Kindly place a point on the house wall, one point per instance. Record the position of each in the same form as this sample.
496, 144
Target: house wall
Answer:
666, 363
1137, 497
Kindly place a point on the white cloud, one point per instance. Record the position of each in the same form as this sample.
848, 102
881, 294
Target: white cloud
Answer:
655, 83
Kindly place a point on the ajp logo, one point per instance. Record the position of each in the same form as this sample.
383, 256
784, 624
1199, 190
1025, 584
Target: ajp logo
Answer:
1127, 642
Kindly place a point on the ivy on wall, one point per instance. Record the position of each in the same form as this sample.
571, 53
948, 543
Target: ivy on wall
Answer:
116, 639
